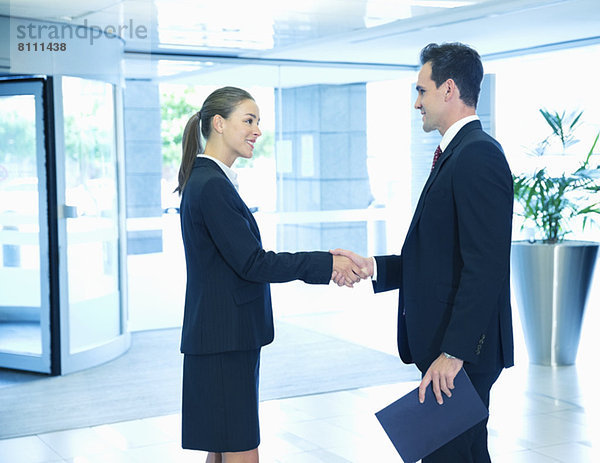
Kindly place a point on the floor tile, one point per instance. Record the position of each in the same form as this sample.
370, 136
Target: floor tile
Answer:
132, 434
104, 457
27, 450
329, 405
526, 456
367, 452
76, 443
500, 443
544, 430
321, 433
315, 456
275, 413
285, 443
572, 452
163, 453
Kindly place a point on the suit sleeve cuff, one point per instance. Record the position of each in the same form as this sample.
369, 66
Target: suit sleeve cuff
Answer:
374, 277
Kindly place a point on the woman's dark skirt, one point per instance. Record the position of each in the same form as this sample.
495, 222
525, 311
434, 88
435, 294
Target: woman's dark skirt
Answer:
220, 401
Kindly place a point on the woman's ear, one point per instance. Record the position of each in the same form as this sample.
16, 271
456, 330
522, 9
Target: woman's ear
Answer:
217, 123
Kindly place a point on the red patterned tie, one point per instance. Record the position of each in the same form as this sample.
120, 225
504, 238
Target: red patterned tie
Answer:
436, 156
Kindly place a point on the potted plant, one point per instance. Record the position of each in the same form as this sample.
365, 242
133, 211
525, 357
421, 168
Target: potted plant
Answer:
551, 275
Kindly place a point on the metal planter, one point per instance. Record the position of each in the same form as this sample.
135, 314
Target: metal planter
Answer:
551, 283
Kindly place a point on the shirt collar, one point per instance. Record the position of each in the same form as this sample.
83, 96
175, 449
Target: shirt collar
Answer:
454, 129
228, 171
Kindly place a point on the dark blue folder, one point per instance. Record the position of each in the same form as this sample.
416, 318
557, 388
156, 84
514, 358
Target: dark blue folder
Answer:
417, 429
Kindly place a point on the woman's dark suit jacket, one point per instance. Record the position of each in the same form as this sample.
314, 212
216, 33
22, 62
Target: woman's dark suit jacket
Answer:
228, 299
453, 273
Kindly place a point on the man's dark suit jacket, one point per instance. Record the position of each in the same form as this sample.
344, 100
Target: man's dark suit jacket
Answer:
453, 271
228, 299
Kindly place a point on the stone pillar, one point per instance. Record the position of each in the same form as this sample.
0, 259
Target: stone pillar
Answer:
143, 162
324, 165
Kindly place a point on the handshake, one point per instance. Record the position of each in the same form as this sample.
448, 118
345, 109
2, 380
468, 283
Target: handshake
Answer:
350, 268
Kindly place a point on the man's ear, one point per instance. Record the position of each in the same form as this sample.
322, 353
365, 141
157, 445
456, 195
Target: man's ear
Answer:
217, 123
450, 90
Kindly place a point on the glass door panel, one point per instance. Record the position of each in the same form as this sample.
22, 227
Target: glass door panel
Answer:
24, 282
91, 213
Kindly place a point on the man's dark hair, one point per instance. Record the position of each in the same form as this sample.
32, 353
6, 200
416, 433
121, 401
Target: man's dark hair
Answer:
458, 62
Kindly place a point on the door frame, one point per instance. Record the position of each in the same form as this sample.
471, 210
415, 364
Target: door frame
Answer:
56, 358
38, 87
98, 354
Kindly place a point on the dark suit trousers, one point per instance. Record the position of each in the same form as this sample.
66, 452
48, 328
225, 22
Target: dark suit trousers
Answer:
470, 446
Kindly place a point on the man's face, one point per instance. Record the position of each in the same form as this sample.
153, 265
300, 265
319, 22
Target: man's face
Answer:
430, 101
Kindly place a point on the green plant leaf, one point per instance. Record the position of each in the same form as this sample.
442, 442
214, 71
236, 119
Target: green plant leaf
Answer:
550, 203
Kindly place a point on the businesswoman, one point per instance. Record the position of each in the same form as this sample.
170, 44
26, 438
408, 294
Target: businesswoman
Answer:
228, 315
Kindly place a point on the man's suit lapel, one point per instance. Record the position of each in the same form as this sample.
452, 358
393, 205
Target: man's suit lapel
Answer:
474, 125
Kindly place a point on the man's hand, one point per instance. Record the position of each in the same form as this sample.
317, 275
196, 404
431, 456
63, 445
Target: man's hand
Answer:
345, 272
365, 264
441, 375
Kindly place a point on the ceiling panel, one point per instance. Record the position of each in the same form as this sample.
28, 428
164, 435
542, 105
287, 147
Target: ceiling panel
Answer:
493, 27
378, 32
234, 25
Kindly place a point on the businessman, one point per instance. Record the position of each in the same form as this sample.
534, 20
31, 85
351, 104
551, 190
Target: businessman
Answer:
453, 272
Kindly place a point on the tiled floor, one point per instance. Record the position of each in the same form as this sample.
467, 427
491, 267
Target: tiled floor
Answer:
538, 415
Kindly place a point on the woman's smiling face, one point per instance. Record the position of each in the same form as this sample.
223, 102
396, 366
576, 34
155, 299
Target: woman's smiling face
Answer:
240, 129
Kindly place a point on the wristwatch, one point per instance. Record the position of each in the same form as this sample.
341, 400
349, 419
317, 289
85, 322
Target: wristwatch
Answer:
448, 356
